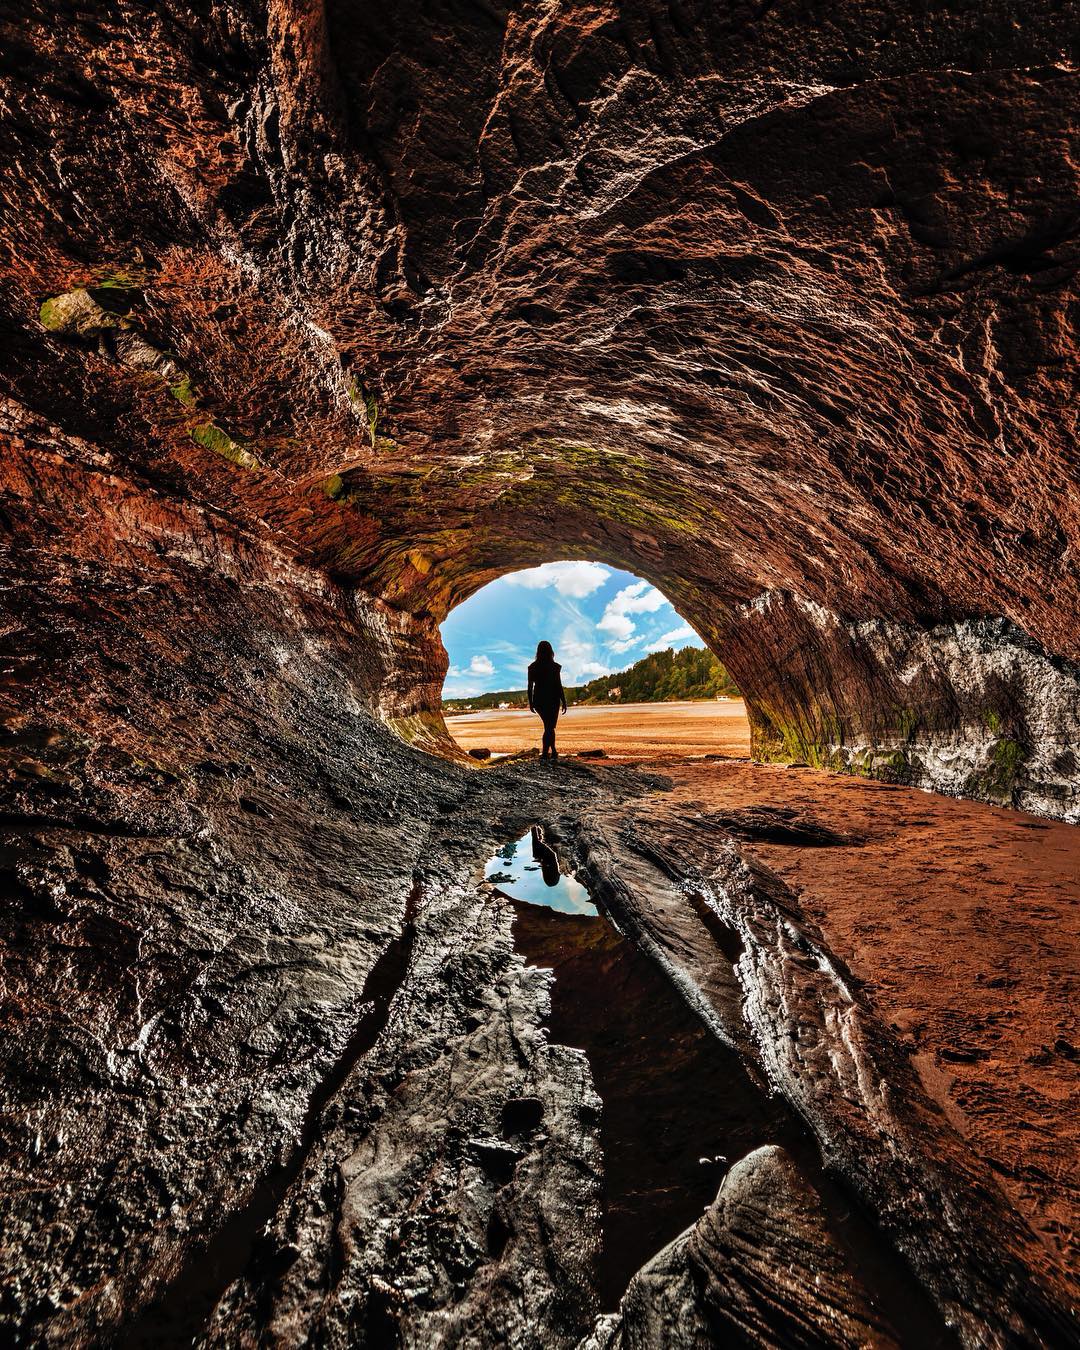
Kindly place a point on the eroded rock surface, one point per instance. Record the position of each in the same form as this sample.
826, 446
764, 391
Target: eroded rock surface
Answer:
719, 1280
315, 318
767, 305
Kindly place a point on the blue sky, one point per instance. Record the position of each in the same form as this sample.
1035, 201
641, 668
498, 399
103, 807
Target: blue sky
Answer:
598, 620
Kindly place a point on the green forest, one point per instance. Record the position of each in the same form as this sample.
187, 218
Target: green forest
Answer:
660, 677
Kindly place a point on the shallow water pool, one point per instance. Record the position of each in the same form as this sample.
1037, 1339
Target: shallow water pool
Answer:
518, 873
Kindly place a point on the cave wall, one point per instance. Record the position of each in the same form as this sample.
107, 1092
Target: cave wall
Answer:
750, 300
974, 708
208, 839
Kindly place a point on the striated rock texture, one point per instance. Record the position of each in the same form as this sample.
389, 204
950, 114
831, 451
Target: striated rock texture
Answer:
770, 305
315, 317
717, 1282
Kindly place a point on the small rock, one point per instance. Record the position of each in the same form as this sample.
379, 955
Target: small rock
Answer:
497, 1158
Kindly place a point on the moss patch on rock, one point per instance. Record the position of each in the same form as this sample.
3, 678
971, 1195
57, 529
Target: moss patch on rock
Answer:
78, 313
211, 437
184, 391
999, 780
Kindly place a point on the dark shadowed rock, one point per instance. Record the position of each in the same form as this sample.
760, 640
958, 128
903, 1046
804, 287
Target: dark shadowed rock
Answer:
780, 825
760, 1267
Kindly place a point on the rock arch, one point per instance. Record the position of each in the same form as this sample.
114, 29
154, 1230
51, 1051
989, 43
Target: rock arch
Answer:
317, 314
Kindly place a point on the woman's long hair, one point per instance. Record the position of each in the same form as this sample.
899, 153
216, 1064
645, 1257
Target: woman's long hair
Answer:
544, 653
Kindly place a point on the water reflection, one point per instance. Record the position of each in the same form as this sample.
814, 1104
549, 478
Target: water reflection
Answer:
528, 869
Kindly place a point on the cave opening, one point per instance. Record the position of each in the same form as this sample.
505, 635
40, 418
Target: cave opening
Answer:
637, 675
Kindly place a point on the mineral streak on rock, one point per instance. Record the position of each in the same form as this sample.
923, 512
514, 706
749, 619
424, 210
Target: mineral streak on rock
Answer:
315, 318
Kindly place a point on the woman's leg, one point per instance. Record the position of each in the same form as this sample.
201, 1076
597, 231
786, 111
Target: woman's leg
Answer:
550, 718
545, 721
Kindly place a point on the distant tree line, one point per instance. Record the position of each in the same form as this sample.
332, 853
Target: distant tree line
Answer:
661, 677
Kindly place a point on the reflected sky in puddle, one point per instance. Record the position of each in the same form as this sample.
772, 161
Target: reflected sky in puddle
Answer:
518, 873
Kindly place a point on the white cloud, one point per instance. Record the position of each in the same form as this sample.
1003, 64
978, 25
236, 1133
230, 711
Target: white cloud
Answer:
666, 639
617, 626
638, 598
478, 665
578, 657
625, 644
455, 689
576, 579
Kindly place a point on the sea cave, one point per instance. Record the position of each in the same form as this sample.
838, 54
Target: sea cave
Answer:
317, 318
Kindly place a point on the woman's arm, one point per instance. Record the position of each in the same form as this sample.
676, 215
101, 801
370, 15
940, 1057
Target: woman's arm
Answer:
562, 694
529, 692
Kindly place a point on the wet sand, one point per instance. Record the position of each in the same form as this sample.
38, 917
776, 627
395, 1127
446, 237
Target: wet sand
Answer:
658, 730
963, 922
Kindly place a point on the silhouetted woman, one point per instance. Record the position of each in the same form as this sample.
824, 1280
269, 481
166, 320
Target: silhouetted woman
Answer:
546, 695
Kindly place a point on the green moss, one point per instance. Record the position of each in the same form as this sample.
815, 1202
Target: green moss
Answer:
991, 720
1001, 777
78, 313
1006, 759
338, 490
611, 485
184, 391
52, 314
364, 401
118, 281
213, 438
87, 310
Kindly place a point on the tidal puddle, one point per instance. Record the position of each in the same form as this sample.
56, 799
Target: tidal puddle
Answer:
527, 869
679, 1108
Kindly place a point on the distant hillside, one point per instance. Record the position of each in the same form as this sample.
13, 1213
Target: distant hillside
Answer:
660, 677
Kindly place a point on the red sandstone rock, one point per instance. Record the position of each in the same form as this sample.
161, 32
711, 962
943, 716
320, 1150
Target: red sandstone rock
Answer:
766, 303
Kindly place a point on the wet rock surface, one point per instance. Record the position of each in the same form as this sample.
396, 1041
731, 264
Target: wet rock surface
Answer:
666, 1138
717, 1282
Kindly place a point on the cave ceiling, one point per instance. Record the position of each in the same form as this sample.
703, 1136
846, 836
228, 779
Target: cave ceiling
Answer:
744, 297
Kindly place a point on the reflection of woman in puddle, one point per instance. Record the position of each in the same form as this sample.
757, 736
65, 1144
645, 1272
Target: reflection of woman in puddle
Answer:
546, 856
546, 695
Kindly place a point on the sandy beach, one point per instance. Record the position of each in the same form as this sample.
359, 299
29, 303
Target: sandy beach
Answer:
626, 730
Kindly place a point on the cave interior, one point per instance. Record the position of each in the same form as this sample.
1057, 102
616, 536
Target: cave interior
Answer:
317, 317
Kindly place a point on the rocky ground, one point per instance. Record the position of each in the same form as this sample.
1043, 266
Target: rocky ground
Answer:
835, 1016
